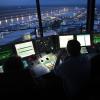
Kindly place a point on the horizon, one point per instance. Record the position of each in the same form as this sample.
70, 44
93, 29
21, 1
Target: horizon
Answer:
43, 2
45, 5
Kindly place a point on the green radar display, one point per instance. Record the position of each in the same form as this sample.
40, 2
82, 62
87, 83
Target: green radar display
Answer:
96, 39
5, 53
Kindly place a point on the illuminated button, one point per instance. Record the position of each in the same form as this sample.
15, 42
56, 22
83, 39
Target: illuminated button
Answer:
41, 60
47, 58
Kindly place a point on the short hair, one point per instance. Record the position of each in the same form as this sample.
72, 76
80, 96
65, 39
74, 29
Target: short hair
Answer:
73, 47
13, 64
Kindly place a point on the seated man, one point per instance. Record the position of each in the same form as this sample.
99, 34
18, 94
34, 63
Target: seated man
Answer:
16, 79
74, 71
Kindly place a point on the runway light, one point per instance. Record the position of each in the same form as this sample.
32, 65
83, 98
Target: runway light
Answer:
6, 20
42, 14
29, 17
0, 22
47, 14
36, 15
17, 19
22, 18
64, 9
12, 20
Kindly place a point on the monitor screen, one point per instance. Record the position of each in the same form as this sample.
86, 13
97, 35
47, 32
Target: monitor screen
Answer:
25, 49
96, 38
5, 53
63, 40
84, 40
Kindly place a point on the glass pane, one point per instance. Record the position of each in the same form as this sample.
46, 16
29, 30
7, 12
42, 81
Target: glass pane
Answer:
97, 17
18, 18
63, 16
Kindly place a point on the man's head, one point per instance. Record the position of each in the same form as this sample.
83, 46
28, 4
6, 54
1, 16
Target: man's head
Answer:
73, 48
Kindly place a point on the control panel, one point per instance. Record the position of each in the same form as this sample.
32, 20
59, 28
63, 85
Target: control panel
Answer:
46, 44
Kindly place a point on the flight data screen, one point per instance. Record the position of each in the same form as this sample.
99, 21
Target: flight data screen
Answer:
84, 40
63, 40
25, 49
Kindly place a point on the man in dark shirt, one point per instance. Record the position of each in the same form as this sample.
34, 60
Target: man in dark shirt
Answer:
75, 70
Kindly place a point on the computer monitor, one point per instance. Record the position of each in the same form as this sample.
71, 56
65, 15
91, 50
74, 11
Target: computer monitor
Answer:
6, 52
63, 40
84, 40
25, 49
96, 38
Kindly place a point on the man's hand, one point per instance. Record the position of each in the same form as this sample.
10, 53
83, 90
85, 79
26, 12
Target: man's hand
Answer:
61, 53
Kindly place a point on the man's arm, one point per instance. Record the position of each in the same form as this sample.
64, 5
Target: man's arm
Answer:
58, 57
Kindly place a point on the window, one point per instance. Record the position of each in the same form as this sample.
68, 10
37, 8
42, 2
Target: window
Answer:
64, 16
58, 17
17, 15
97, 17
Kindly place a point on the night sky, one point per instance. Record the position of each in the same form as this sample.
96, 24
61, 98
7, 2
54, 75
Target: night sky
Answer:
43, 2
